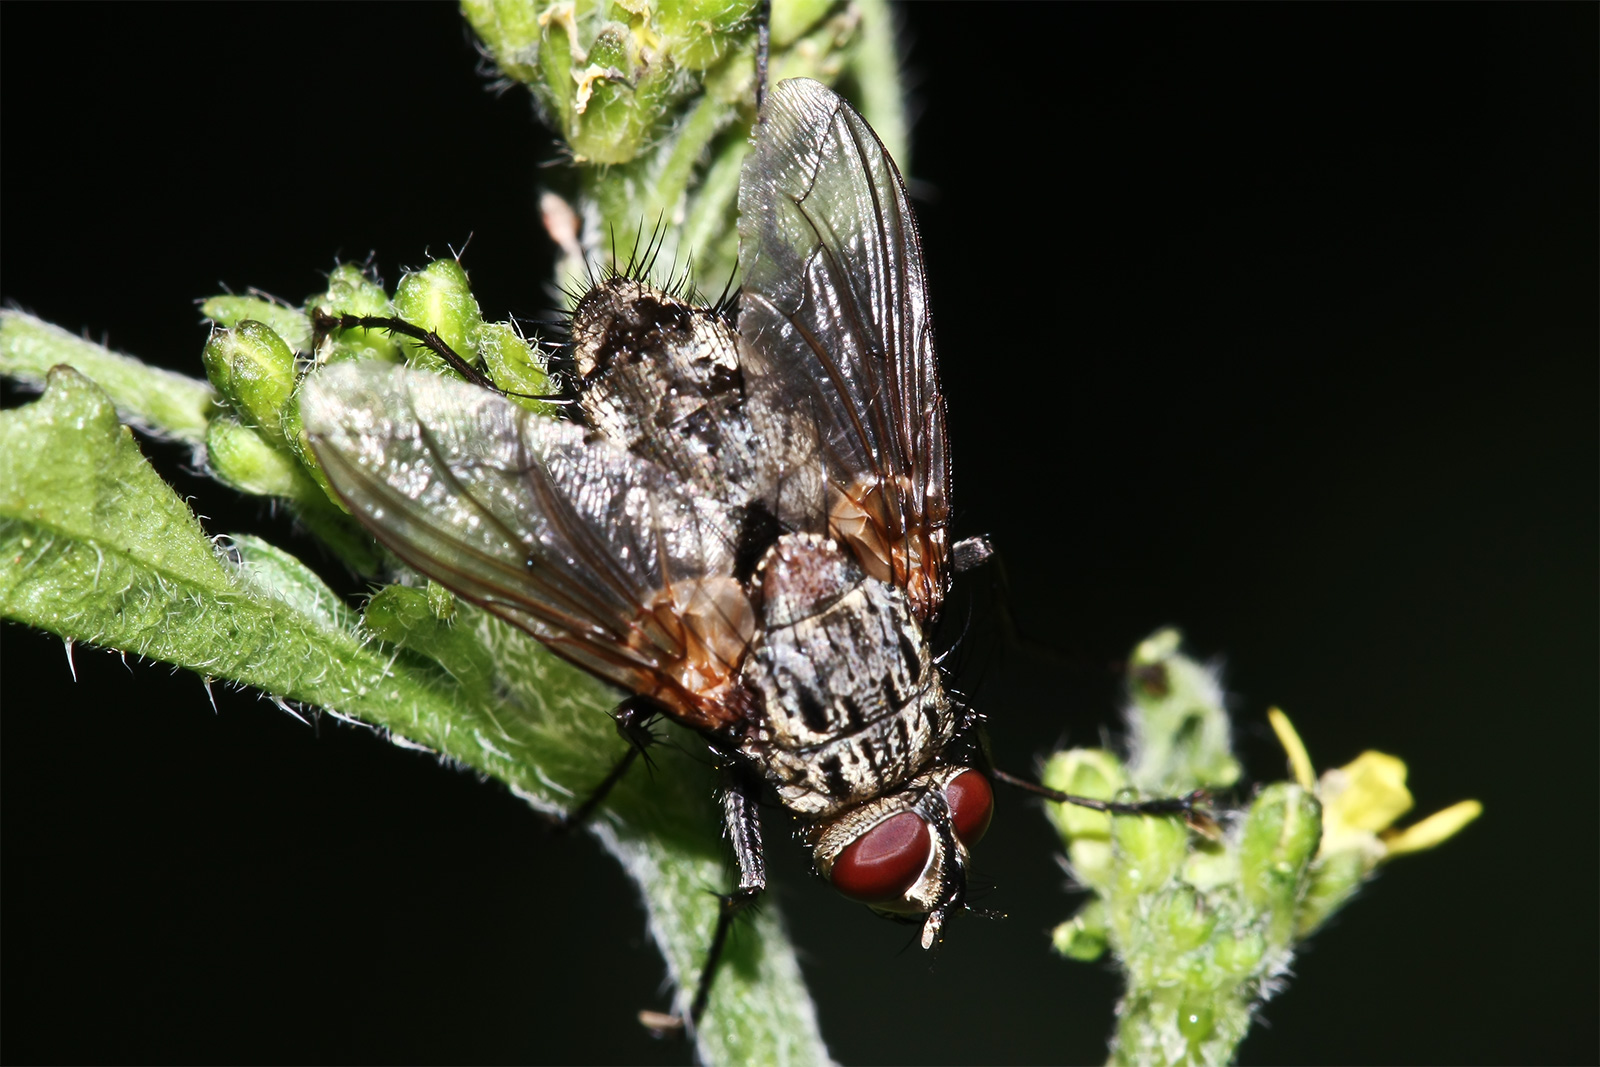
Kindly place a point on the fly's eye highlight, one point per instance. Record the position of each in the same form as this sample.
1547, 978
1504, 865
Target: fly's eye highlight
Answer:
971, 801
881, 864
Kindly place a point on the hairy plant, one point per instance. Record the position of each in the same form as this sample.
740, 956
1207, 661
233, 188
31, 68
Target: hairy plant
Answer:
654, 102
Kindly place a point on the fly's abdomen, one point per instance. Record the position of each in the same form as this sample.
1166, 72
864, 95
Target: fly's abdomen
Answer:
853, 703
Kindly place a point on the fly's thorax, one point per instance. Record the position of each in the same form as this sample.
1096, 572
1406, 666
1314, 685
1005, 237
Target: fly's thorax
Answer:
905, 853
853, 705
660, 377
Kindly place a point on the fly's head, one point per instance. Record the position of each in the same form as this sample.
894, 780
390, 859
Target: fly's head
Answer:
905, 854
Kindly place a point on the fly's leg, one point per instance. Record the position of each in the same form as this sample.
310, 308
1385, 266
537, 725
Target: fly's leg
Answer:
322, 324
743, 827
1191, 805
744, 830
969, 730
763, 49
633, 717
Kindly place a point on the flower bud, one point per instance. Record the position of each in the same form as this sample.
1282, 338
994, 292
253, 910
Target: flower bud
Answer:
1082, 937
1280, 836
1151, 849
247, 461
1180, 724
351, 292
510, 362
1096, 774
1186, 920
439, 298
254, 369
698, 33
288, 323
441, 602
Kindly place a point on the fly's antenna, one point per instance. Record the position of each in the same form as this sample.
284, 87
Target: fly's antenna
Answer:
763, 48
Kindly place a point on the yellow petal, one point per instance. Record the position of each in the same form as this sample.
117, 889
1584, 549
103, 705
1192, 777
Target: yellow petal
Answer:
1434, 830
1367, 794
1289, 738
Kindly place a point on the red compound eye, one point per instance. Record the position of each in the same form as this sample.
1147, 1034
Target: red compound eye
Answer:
971, 805
880, 865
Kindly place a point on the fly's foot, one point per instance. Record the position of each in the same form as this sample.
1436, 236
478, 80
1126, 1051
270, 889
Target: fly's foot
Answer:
633, 718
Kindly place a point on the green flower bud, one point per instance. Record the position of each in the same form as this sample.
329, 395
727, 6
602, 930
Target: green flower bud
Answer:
792, 19
1082, 937
1211, 865
1150, 850
243, 458
254, 369
295, 433
1195, 1022
246, 460
616, 104
510, 362
1240, 954
439, 298
511, 29
405, 616
288, 323
351, 292
1180, 725
1187, 920
441, 601
395, 610
1280, 836
1334, 877
699, 33
1096, 774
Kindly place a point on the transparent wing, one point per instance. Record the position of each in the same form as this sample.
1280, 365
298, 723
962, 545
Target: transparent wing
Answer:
592, 550
834, 320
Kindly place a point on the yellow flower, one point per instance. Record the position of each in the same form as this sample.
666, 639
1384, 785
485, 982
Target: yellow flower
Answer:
1362, 800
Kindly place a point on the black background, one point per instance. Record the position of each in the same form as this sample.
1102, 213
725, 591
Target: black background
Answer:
1275, 323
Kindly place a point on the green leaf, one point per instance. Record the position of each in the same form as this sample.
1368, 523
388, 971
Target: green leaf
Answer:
275, 573
157, 401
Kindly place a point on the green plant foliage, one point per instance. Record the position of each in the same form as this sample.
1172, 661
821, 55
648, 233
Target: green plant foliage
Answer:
97, 549
154, 400
1203, 921
655, 101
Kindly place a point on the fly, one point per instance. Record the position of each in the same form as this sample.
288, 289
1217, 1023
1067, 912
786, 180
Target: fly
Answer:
745, 524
